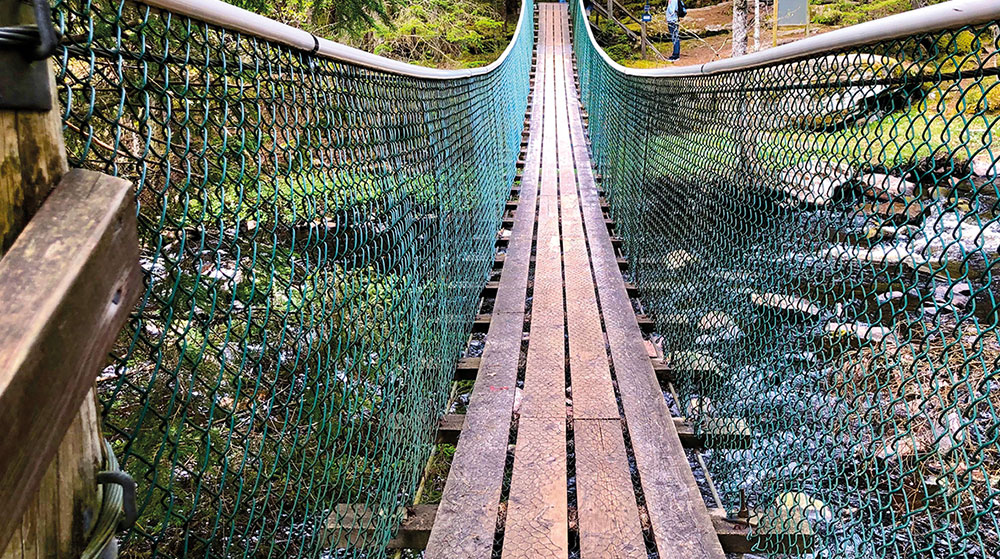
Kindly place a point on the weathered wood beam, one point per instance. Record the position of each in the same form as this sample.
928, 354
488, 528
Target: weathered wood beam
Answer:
736, 536
66, 287
490, 289
481, 323
467, 368
727, 434
355, 523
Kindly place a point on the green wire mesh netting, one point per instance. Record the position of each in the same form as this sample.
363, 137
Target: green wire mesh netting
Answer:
315, 238
816, 240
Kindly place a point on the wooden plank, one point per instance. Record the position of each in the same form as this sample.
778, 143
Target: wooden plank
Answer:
544, 393
736, 536
606, 504
468, 512
536, 523
593, 393
467, 368
466, 519
68, 282
545, 376
722, 433
355, 523
482, 323
680, 522
451, 426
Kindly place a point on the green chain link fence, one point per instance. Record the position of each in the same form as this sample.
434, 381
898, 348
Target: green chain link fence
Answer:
817, 240
315, 237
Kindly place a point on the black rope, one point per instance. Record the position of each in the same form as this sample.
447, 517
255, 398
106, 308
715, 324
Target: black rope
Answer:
18, 37
37, 42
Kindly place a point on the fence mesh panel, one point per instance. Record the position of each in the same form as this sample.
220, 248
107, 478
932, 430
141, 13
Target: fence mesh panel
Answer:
315, 237
817, 241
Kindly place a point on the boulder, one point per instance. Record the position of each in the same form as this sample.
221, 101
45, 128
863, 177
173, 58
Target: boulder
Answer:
984, 165
885, 187
786, 304
815, 182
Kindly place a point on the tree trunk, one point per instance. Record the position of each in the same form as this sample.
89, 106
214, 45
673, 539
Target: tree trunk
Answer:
756, 25
739, 27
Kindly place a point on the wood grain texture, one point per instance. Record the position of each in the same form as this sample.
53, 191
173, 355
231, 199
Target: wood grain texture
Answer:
609, 516
466, 519
572, 278
537, 525
68, 282
680, 521
32, 156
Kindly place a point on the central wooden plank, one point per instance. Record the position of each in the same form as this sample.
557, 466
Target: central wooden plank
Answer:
608, 514
680, 522
537, 523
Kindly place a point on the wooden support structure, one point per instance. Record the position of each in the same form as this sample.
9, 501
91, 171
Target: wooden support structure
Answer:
572, 366
69, 275
717, 434
357, 524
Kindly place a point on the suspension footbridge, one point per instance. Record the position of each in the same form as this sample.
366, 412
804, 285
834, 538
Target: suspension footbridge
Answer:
549, 307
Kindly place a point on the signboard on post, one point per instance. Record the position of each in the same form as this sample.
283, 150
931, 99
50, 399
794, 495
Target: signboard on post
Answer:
793, 12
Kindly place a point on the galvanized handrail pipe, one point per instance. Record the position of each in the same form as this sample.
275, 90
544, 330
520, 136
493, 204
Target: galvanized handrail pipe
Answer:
938, 17
217, 12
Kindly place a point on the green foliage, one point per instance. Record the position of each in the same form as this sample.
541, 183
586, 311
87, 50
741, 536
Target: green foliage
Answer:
323, 17
852, 12
441, 32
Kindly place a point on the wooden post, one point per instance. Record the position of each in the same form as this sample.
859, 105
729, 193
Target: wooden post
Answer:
48, 492
756, 25
642, 25
774, 23
32, 155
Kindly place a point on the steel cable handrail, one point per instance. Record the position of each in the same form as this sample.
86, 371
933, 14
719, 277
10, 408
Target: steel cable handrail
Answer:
930, 19
217, 12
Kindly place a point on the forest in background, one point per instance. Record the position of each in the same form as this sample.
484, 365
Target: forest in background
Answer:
440, 33
707, 31
470, 33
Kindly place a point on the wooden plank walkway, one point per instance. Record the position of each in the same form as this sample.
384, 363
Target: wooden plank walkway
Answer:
587, 380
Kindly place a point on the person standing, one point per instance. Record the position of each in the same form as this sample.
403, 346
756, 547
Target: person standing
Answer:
674, 28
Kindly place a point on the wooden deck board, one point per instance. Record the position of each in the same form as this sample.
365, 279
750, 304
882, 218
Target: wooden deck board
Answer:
609, 516
577, 277
537, 526
680, 522
466, 518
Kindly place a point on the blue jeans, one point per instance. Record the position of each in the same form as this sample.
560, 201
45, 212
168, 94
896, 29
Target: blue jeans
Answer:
675, 36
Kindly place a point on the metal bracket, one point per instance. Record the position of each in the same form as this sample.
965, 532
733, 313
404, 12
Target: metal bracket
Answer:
24, 83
